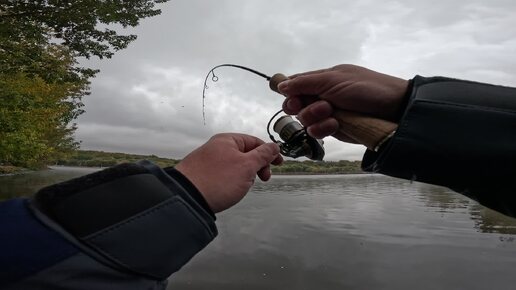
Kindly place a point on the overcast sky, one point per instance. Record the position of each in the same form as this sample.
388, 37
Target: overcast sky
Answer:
148, 98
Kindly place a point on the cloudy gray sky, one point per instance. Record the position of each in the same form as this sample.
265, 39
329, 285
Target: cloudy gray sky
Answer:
148, 98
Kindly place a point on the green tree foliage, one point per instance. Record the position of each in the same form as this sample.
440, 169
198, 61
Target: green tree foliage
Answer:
28, 119
37, 108
41, 84
81, 25
104, 159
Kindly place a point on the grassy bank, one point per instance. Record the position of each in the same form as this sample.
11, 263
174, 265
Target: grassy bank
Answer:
8, 169
88, 158
312, 167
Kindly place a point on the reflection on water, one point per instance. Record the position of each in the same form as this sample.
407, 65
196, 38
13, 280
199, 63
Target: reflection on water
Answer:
342, 232
441, 199
353, 232
489, 221
485, 220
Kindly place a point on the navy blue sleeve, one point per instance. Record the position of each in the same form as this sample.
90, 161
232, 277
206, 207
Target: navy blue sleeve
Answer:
129, 227
26, 245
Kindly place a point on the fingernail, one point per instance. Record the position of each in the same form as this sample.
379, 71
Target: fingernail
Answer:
310, 132
293, 105
283, 86
290, 104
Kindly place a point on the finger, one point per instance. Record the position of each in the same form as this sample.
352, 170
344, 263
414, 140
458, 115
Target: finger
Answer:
315, 112
313, 84
262, 155
265, 173
310, 72
326, 127
342, 68
246, 143
278, 160
292, 105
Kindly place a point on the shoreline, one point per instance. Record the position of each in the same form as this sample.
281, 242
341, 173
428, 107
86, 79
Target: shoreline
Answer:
317, 173
7, 170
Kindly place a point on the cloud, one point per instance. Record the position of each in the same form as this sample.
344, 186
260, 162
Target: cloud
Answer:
147, 99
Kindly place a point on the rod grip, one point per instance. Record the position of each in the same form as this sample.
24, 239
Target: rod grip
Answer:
364, 129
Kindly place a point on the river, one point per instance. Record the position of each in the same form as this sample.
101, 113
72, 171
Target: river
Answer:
342, 232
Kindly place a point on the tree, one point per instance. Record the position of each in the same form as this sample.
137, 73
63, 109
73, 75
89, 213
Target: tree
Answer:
41, 84
77, 23
35, 113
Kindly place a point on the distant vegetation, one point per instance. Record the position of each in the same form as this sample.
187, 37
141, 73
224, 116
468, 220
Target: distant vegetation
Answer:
324, 167
42, 82
105, 159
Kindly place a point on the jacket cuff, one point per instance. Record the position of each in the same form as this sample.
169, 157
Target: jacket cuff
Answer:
134, 215
458, 134
190, 187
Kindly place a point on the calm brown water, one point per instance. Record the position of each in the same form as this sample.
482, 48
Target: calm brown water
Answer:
342, 232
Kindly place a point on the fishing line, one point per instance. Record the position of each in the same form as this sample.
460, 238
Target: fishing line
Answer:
269, 125
215, 78
297, 142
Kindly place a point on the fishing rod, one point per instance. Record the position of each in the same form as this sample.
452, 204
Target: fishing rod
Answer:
366, 130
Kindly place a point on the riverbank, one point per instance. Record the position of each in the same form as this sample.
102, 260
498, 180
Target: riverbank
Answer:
10, 170
99, 159
317, 173
88, 158
274, 170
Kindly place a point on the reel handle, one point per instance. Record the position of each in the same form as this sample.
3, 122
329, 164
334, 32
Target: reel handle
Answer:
366, 130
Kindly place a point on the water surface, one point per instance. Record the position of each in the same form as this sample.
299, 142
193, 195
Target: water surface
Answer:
342, 232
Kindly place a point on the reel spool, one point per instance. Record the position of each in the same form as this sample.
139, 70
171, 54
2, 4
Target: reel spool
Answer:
296, 141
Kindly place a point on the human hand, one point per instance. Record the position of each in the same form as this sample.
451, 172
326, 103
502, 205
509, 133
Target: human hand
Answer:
317, 95
225, 167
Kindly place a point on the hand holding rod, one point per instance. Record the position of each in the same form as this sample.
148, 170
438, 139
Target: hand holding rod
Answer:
366, 130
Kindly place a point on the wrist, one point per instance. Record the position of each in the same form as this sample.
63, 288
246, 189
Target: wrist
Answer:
194, 192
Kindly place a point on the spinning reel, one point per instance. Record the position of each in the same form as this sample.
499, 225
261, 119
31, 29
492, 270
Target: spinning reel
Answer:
295, 140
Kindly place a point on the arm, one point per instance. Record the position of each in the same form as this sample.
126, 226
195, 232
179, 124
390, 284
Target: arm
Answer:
454, 133
458, 134
130, 226
132, 223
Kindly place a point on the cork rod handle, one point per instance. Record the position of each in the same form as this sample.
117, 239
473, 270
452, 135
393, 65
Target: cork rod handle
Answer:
366, 130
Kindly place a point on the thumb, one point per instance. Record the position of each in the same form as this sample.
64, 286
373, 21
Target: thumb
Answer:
263, 155
313, 84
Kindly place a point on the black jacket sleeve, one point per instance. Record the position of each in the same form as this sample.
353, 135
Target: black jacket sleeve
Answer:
458, 134
136, 218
